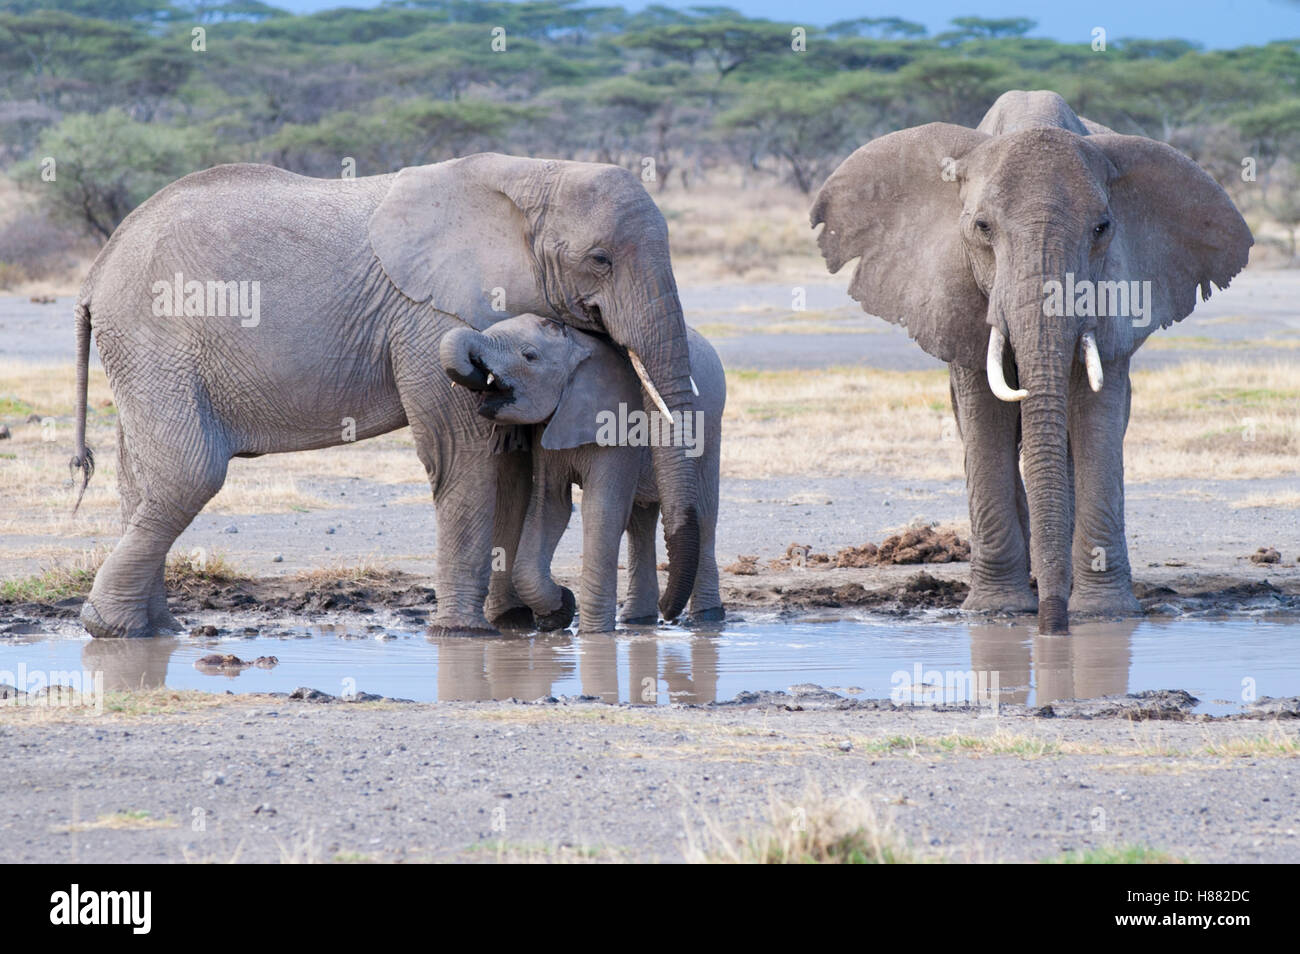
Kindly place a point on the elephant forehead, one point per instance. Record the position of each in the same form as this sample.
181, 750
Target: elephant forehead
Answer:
1036, 161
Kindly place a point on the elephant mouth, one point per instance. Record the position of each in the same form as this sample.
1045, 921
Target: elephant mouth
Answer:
490, 391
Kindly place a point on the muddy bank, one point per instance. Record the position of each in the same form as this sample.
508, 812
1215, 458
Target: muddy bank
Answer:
892, 590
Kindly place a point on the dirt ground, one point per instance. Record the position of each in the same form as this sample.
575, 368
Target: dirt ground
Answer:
254, 778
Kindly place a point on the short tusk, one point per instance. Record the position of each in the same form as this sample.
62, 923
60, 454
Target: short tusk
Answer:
641, 373
490, 378
694, 389
997, 380
1092, 360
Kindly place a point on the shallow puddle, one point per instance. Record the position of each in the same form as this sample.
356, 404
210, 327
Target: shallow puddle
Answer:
1222, 662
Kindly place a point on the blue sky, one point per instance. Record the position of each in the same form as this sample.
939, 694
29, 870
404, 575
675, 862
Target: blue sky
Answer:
1212, 23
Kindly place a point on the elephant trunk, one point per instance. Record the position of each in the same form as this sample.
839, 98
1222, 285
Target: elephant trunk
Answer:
1044, 347
654, 330
461, 356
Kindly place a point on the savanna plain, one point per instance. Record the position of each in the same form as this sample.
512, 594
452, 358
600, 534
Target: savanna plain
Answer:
838, 432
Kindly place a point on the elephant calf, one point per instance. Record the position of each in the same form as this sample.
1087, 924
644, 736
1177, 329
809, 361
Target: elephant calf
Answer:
589, 427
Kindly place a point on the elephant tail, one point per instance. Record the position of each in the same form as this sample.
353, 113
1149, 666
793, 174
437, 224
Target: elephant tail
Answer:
84, 460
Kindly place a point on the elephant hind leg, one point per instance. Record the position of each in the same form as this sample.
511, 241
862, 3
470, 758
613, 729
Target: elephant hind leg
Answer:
128, 489
173, 472
642, 603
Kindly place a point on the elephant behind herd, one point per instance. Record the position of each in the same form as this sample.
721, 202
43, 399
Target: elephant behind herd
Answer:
993, 246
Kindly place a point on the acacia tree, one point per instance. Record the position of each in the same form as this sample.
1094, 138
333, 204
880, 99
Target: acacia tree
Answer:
107, 164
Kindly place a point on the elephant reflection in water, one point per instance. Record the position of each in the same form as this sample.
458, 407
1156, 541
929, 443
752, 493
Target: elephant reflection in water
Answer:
693, 684
475, 670
1094, 662
130, 663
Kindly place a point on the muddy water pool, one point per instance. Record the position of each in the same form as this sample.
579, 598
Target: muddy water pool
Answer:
1223, 662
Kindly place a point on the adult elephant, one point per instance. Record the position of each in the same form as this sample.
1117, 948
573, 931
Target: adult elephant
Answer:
246, 310
974, 239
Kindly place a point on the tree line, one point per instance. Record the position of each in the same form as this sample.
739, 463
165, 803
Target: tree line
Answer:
126, 95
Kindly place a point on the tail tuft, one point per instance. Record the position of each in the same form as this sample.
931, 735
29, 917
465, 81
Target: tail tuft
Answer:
86, 464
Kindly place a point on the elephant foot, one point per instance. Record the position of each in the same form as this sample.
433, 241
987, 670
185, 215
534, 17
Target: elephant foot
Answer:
645, 619
1107, 601
467, 625
998, 599
714, 614
103, 626
559, 618
161, 618
516, 617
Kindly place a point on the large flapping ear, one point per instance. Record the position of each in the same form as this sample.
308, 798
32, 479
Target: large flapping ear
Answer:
895, 206
459, 235
1175, 227
598, 385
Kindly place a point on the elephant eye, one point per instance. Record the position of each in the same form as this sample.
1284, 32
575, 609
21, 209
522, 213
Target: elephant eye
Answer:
602, 258
530, 355
1100, 230
982, 225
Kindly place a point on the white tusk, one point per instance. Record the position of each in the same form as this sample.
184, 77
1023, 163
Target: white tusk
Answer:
641, 373
694, 389
490, 378
1092, 360
993, 366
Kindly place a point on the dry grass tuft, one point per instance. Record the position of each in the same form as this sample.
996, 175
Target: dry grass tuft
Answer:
817, 829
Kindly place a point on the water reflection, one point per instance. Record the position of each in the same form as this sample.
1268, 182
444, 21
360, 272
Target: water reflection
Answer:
1091, 662
861, 657
130, 663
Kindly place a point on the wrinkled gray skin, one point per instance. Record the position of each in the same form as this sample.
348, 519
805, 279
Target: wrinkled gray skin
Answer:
542, 371
359, 280
957, 231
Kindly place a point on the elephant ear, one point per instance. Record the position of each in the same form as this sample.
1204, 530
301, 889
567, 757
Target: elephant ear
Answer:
459, 235
895, 205
1175, 227
591, 398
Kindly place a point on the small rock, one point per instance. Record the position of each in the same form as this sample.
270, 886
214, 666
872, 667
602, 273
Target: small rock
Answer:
845, 745
4, 433
278, 558
231, 529
1266, 555
204, 631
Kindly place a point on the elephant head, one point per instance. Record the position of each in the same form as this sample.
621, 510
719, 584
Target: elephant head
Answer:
489, 236
529, 369
974, 243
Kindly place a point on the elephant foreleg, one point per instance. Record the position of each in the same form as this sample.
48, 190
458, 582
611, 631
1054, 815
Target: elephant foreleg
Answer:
989, 431
514, 483
607, 493
549, 506
1103, 581
642, 603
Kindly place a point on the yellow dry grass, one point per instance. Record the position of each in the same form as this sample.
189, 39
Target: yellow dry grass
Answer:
1227, 421
730, 228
